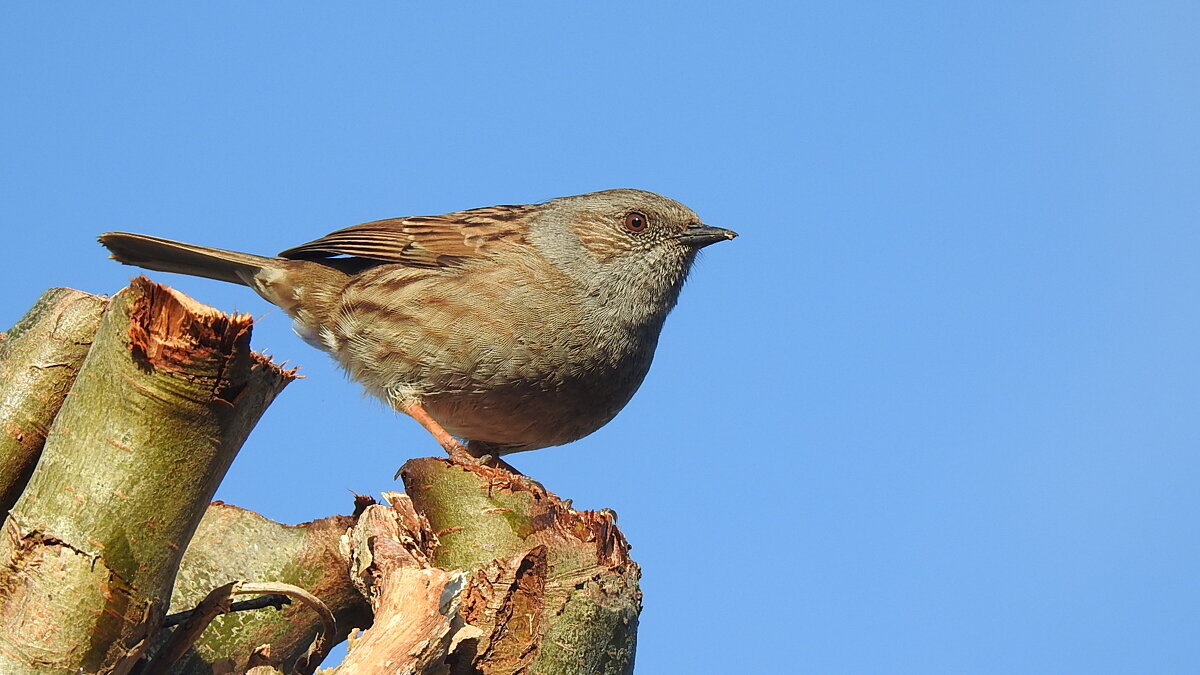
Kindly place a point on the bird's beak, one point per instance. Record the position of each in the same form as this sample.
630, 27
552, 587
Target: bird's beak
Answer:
702, 235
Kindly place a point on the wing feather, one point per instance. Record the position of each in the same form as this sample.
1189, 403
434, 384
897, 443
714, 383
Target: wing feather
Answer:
424, 241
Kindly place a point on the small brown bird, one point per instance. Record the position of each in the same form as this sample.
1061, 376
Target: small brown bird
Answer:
512, 327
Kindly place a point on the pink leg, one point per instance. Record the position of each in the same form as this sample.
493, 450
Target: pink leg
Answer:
444, 439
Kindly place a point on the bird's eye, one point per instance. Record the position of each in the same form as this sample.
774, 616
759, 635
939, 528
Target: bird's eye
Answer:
636, 221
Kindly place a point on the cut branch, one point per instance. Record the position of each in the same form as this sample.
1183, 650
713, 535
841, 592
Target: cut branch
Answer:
166, 396
220, 601
232, 543
39, 359
547, 589
475, 570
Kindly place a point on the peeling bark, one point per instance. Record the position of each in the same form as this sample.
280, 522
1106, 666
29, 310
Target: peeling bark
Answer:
551, 589
415, 604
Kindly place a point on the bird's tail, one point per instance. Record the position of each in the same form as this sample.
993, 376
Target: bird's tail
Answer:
166, 255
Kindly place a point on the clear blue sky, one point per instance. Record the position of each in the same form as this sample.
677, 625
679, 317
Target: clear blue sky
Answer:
934, 412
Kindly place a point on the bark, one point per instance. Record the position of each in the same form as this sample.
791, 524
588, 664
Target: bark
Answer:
415, 604
39, 358
166, 396
538, 588
309, 556
475, 570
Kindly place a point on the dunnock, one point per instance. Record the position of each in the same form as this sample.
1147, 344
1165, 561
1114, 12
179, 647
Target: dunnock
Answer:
515, 327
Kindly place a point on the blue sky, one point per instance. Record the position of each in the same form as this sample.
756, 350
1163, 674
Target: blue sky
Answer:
935, 411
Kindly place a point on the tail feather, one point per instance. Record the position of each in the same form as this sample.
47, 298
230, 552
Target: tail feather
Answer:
166, 255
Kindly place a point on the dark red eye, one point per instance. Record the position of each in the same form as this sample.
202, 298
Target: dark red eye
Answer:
636, 221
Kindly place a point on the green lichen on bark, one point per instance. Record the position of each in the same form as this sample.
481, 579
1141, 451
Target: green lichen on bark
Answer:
39, 358
305, 555
595, 632
475, 526
164, 399
581, 605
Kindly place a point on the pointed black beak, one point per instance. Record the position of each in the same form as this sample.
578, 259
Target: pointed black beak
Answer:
700, 235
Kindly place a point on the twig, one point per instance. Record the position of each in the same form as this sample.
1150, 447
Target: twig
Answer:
276, 600
219, 601
323, 642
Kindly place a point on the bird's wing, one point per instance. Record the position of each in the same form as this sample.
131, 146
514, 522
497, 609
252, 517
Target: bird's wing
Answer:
424, 241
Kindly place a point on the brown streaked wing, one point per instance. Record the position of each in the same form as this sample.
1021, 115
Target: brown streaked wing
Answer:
424, 241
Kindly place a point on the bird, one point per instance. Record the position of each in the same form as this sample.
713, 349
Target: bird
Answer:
499, 329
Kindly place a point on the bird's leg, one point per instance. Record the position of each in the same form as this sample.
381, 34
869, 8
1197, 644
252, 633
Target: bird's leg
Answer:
449, 443
490, 454
474, 453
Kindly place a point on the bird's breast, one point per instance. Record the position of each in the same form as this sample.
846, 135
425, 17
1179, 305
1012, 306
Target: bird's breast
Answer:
521, 359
